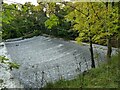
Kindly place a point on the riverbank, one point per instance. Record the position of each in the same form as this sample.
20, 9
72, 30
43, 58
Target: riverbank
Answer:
105, 76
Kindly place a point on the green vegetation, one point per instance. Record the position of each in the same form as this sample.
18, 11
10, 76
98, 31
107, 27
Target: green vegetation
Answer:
11, 65
105, 76
28, 20
80, 21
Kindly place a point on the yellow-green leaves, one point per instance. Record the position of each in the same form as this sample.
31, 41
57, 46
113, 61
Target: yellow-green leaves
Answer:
53, 21
94, 19
3, 59
11, 65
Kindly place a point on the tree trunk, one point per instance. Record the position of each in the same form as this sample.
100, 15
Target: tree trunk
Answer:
109, 51
92, 55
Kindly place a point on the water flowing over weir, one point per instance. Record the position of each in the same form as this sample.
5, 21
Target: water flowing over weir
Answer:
45, 59
5, 74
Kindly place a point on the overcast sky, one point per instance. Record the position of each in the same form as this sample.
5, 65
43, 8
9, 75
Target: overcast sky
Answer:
21, 1
35, 1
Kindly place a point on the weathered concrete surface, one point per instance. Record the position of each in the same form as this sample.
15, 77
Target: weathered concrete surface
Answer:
45, 59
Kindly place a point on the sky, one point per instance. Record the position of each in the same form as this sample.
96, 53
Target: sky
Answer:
23, 1
35, 1
20, 1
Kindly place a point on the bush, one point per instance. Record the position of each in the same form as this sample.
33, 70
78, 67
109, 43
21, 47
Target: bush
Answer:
36, 32
32, 34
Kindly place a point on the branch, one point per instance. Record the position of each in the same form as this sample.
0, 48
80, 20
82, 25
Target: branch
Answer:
10, 8
78, 10
95, 12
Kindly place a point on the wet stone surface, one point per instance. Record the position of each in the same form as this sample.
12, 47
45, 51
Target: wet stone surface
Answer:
45, 59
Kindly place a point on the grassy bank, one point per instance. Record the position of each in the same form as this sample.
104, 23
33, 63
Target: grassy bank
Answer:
105, 76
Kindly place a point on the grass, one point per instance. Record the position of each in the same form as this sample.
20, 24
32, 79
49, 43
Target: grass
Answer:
105, 76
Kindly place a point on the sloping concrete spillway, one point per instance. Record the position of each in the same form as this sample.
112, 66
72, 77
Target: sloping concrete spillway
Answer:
44, 59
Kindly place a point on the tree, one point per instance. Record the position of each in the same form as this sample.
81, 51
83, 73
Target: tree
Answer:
94, 25
111, 25
87, 23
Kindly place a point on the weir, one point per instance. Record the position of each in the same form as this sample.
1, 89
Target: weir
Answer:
44, 59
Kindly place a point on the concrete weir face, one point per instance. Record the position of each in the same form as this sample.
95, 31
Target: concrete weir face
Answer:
45, 59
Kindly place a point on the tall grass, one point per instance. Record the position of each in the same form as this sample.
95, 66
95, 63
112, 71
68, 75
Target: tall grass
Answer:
105, 76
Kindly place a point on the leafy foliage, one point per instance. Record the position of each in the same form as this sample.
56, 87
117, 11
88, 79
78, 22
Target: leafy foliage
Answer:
90, 21
53, 21
21, 20
11, 65
60, 19
28, 20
